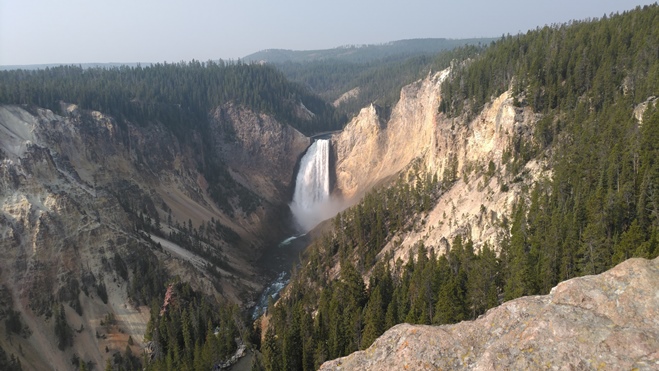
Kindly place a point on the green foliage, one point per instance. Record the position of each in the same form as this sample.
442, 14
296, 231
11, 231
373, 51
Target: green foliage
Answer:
379, 81
562, 65
13, 322
126, 361
191, 332
271, 352
600, 206
365, 229
120, 266
83, 366
69, 293
102, 292
148, 279
450, 174
349, 317
179, 95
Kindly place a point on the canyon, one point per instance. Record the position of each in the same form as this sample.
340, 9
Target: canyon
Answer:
78, 192
57, 170
86, 199
415, 138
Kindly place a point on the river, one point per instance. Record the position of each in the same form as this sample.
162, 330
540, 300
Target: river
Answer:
277, 262
309, 206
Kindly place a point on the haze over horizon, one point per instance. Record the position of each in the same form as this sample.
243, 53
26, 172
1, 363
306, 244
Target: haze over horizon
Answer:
123, 31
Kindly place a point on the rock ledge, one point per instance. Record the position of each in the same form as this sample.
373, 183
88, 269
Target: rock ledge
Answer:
608, 321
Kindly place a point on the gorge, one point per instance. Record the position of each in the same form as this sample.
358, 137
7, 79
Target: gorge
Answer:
310, 205
479, 187
147, 219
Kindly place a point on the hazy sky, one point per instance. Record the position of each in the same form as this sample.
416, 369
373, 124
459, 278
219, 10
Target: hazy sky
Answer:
87, 31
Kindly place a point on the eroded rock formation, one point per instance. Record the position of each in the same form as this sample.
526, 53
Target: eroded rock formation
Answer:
264, 150
608, 321
76, 190
468, 155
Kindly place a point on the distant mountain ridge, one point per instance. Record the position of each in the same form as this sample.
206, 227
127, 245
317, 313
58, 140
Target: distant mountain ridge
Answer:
365, 53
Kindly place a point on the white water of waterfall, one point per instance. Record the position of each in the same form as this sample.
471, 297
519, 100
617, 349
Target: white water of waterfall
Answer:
311, 195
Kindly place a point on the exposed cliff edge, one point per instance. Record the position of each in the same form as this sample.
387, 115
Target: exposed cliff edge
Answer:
374, 145
468, 156
607, 321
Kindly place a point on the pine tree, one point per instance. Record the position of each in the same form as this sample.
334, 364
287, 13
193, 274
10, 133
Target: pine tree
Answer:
271, 352
209, 353
63, 332
374, 320
482, 282
630, 241
519, 278
292, 344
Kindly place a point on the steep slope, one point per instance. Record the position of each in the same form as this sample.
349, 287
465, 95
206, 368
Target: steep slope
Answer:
481, 185
261, 148
374, 145
390, 165
97, 215
535, 163
606, 321
467, 156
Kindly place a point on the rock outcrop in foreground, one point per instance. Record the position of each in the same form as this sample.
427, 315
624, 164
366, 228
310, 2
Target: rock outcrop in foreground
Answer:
609, 321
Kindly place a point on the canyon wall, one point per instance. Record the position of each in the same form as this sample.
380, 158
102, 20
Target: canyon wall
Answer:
465, 154
81, 195
262, 150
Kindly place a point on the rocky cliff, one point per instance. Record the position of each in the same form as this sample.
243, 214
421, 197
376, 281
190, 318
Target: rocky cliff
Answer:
470, 157
608, 321
264, 150
377, 144
87, 201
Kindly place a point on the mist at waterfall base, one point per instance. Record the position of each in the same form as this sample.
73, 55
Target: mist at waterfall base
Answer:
311, 201
311, 205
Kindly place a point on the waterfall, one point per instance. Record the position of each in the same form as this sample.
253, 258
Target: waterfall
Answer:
312, 186
310, 206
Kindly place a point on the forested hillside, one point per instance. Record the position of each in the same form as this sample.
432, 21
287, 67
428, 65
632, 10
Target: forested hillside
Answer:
356, 76
587, 80
130, 210
178, 95
601, 205
376, 81
591, 86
